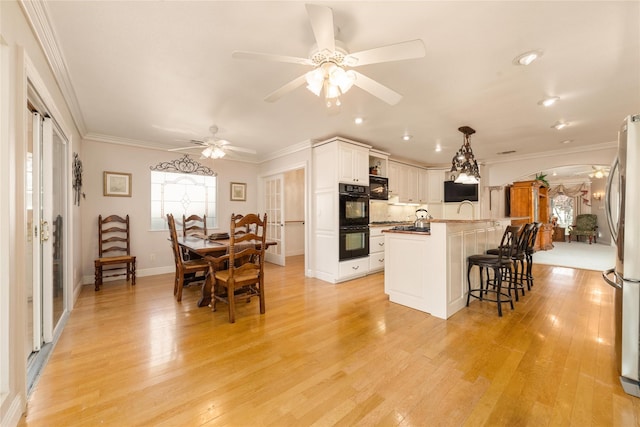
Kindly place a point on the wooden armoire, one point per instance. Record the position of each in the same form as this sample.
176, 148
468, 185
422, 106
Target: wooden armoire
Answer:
529, 203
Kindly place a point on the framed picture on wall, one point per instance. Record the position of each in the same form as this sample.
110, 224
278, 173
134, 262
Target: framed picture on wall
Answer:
117, 184
238, 191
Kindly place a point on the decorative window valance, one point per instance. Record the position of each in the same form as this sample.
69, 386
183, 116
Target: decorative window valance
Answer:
569, 190
184, 165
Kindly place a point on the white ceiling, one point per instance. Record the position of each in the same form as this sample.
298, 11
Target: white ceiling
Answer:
159, 73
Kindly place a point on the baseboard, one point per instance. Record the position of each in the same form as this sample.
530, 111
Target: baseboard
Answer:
14, 412
90, 279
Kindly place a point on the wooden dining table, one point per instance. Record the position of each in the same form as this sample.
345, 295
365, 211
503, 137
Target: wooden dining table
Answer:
203, 247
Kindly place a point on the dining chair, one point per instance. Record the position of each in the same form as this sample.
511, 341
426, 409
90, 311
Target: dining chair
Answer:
194, 224
186, 270
114, 250
239, 274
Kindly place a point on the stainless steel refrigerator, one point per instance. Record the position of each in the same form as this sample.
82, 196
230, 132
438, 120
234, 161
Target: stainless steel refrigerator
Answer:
623, 216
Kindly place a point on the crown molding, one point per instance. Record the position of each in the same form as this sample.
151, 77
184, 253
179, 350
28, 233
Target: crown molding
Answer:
38, 17
304, 145
147, 145
553, 153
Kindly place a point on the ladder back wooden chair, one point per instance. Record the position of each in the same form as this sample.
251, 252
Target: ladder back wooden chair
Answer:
240, 273
114, 250
186, 270
194, 224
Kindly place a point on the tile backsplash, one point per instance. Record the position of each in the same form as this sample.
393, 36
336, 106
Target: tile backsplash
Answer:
380, 211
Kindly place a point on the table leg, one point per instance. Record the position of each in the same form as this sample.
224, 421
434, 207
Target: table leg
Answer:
205, 299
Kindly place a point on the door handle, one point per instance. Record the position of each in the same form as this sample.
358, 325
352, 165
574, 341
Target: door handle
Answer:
605, 276
44, 231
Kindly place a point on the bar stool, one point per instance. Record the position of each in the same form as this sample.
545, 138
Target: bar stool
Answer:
518, 257
501, 264
529, 251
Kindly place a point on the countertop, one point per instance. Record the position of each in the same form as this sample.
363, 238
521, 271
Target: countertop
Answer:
462, 221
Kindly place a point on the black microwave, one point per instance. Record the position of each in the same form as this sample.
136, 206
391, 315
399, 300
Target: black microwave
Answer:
378, 187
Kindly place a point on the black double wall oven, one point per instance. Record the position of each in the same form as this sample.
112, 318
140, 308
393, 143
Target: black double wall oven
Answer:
354, 221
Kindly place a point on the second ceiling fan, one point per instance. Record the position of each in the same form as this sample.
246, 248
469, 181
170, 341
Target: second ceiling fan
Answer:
213, 147
332, 75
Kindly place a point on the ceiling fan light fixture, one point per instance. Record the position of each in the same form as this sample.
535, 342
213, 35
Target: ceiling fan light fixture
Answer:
207, 152
315, 80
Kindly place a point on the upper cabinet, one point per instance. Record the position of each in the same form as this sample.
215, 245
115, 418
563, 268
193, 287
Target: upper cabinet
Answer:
406, 182
378, 163
436, 186
340, 160
353, 164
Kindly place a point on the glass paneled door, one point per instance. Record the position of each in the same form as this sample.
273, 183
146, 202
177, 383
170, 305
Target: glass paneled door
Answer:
45, 246
274, 206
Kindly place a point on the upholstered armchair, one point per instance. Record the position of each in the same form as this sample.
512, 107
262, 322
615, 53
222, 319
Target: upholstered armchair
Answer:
586, 225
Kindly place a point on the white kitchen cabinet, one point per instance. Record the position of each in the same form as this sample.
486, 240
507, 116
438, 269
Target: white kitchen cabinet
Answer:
428, 271
335, 160
376, 249
353, 268
353, 164
403, 182
411, 194
423, 186
436, 185
394, 178
380, 161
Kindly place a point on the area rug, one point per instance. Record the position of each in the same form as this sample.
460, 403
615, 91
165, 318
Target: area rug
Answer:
578, 255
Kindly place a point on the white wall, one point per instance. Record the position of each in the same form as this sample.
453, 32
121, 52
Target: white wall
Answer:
19, 45
151, 248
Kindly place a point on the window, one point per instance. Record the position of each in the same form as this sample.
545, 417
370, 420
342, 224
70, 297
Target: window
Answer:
562, 208
182, 194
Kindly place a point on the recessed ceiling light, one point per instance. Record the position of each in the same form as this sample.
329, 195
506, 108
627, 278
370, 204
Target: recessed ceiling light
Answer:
527, 57
548, 102
406, 137
438, 148
560, 125
358, 120
566, 141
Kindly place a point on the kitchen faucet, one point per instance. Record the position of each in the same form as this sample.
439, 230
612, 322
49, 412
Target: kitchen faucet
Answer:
473, 210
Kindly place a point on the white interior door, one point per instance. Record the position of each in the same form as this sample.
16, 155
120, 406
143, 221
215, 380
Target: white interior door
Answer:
45, 194
274, 207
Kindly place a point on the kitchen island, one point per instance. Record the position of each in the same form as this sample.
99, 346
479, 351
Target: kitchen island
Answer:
427, 270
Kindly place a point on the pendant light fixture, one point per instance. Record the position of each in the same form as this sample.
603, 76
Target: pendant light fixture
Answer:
464, 161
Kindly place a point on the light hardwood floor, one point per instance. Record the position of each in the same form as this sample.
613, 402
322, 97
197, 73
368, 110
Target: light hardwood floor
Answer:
335, 355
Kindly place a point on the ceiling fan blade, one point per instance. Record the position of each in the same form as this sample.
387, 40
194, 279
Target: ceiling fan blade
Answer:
321, 18
270, 57
394, 52
278, 93
376, 89
240, 149
182, 148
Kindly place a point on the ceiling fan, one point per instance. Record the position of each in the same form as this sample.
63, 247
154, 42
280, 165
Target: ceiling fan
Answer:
599, 172
332, 73
213, 147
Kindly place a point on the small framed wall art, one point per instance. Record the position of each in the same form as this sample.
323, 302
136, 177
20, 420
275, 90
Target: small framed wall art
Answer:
117, 184
238, 191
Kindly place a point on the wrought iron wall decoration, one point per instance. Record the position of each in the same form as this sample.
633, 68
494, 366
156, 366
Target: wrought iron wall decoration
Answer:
77, 180
184, 165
